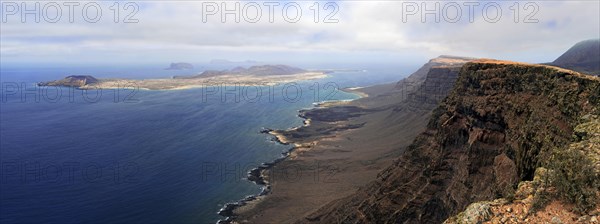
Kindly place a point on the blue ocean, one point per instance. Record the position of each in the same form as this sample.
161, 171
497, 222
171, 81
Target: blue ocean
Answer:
139, 156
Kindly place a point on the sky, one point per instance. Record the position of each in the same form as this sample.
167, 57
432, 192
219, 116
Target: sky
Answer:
157, 31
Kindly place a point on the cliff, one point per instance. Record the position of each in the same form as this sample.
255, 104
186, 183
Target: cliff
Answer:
565, 190
419, 76
484, 138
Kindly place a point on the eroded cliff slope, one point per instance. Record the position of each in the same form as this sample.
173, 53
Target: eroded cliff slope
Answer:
483, 139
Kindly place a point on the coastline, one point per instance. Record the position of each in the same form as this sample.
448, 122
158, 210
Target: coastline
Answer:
341, 155
356, 90
259, 175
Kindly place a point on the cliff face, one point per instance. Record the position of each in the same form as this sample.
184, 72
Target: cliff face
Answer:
437, 84
418, 77
484, 138
431, 82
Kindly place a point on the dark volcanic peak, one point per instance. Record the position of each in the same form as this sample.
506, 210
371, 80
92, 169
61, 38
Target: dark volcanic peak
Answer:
72, 81
259, 70
583, 57
487, 135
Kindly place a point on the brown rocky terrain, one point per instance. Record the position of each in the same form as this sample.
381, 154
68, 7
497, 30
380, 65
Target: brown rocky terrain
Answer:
489, 134
552, 196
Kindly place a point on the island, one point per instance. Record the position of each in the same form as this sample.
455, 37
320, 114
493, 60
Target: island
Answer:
255, 75
180, 66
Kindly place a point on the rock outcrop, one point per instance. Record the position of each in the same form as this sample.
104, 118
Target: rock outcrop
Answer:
552, 197
483, 139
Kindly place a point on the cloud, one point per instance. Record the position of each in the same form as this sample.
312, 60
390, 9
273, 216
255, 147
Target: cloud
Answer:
175, 31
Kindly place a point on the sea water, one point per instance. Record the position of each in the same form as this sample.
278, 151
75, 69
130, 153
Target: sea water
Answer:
135, 156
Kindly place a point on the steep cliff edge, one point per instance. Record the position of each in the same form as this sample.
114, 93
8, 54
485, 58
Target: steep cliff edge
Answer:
483, 139
418, 77
565, 190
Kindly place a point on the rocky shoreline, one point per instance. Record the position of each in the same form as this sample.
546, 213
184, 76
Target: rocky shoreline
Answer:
258, 174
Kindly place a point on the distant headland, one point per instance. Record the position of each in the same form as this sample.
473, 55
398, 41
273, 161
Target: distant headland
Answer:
180, 66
